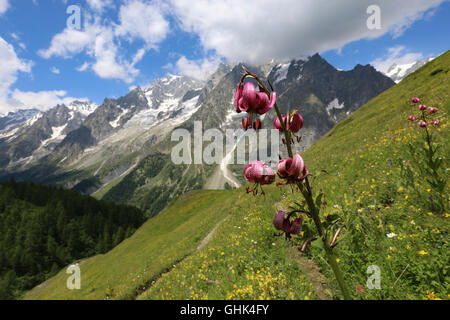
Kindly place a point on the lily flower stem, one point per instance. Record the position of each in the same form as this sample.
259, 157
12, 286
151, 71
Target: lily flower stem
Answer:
314, 211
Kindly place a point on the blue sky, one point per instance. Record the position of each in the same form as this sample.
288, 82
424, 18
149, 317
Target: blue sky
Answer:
122, 44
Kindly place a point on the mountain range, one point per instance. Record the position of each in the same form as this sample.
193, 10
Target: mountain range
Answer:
120, 151
398, 72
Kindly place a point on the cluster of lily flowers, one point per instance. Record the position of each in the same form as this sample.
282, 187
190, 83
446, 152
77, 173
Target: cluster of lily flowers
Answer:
290, 170
257, 103
423, 118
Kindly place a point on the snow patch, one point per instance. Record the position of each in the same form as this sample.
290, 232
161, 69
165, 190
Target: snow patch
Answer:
282, 72
334, 105
56, 135
31, 121
115, 123
6, 134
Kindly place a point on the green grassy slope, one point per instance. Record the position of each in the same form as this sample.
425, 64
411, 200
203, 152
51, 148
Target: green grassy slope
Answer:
365, 157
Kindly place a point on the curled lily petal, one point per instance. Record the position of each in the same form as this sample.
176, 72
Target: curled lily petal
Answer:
296, 226
282, 170
273, 99
296, 123
279, 220
238, 96
305, 173
283, 223
268, 175
296, 167
277, 124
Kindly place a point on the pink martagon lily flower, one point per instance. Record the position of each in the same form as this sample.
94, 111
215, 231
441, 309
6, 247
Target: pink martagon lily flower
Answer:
415, 100
412, 118
258, 173
433, 110
282, 223
423, 107
423, 124
292, 168
249, 100
295, 124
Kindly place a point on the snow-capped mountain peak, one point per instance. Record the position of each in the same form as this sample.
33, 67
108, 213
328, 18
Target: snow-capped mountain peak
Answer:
83, 107
15, 118
398, 72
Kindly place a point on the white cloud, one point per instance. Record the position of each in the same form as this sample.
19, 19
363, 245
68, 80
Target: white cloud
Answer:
55, 70
68, 43
257, 30
42, 100
83, 67
4, 5
99, 5
398, 55
198, 69
10, 66
100, 38
11, 100
142, 20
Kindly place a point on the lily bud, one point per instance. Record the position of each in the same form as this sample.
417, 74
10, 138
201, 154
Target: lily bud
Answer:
307, 243
336, 235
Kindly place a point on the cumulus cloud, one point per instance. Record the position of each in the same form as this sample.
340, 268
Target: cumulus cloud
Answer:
257, 30
10, 100
10, 66
68, 42
100, 38
4, 5
198, 69
42, 100
99, 5
398, 55
141, 20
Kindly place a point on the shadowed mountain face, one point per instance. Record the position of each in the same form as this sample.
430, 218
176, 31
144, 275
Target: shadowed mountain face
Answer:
322, 94
40, 132
121, 149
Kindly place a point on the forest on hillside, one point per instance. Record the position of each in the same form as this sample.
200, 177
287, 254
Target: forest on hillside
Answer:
43, 229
